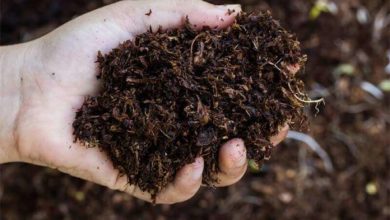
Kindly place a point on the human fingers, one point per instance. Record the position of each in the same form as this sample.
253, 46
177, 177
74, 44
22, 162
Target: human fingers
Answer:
139, 16
232, 162
185, 185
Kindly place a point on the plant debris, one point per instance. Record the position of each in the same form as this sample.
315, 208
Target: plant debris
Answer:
169, 97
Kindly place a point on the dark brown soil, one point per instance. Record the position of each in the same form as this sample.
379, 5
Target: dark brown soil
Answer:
169, 97
291, 185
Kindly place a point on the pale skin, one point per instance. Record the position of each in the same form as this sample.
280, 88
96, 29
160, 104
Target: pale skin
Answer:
44, 82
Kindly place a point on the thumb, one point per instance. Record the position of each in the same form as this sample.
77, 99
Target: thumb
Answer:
138, 16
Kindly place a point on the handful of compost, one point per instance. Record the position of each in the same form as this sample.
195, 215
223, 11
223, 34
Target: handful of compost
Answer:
169, 97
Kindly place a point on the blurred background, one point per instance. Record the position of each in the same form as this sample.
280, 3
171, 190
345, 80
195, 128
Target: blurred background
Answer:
339, 169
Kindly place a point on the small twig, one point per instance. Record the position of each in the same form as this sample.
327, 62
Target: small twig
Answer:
317, 101
299, 92
310, 101
278, 68
314, 146
277, 62
192, 46
166, 135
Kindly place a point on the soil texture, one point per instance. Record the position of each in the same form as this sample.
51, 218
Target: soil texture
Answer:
169, 97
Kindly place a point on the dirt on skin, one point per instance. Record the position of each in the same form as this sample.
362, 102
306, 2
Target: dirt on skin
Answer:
169, 97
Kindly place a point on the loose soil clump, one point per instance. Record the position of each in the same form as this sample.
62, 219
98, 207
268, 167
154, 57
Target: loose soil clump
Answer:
169, 97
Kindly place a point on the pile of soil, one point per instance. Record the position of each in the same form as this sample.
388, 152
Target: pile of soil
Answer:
353, 128
169, 97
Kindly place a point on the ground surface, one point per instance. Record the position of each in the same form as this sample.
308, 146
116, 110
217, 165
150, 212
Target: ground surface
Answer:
353, 128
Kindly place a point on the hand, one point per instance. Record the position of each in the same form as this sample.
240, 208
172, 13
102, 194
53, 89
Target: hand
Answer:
58, 70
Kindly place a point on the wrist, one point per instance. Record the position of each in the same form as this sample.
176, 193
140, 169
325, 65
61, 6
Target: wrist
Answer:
13, 60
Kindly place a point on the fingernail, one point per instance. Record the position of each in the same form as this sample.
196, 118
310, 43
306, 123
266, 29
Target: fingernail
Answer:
197, 168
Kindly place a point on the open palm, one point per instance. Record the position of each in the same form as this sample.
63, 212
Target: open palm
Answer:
63, 72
